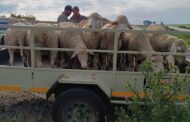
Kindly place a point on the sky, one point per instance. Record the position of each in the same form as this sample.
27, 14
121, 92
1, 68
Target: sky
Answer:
168, 11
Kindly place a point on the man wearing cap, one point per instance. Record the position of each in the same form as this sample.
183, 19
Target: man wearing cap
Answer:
77, 17
64, 16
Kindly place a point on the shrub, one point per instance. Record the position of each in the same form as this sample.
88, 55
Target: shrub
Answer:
160, 99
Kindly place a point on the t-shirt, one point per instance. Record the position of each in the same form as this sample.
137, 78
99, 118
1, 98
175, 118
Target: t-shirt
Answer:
62, 18
77, 19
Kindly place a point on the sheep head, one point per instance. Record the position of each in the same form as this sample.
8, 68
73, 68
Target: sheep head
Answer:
156, 63
82, 57
94, 20
180, 47
122, 22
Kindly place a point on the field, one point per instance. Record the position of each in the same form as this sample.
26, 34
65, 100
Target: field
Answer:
186, 37
186, 26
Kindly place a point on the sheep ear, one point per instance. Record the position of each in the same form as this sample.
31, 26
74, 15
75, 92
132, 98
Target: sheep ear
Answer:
129, 26
74, 54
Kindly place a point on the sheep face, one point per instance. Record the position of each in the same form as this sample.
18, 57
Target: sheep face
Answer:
180, 48
169, 61
123, 22
94, 21
156, 63
82, 57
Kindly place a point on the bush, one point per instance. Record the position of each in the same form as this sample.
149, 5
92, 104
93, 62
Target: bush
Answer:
26, 17
159, 99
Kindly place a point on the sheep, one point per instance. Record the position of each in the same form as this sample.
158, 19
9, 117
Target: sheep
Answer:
125, 42
92, 18
168, 59
15, 37
44, 38
128, 36
107, 38
92, 39
74, 40
140, 42
155, 28
169, 43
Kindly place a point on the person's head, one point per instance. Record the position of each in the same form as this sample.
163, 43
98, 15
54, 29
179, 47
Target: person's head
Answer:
68, 10
76, 10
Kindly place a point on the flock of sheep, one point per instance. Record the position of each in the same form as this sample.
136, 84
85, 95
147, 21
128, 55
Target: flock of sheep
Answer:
97, 40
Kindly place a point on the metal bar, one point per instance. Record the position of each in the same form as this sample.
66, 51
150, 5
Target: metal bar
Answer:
115, 57
77, 70
100, 51
115, 51
91, 30
32, 48
58, 49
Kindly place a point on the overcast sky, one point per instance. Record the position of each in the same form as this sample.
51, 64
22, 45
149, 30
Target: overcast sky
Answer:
168, 11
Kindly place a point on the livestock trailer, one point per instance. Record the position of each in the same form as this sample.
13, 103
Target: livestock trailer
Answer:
93, 90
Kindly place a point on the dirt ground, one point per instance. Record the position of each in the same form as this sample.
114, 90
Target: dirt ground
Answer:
24, 107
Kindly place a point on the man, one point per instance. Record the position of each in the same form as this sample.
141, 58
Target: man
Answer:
77, 17
64, 16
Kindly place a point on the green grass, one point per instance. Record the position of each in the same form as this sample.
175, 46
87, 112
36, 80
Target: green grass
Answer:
186, 26
185, 37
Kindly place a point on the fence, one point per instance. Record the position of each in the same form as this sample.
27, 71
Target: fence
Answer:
115, 51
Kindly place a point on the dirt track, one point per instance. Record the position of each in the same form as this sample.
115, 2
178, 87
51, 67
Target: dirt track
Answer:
24, 106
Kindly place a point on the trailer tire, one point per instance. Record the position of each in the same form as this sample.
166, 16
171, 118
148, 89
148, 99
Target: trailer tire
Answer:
79, 103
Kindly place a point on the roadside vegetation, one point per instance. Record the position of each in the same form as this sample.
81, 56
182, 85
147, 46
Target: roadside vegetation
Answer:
160, 102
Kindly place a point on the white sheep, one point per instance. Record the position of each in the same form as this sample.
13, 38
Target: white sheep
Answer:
15, 37
107, 38
140, 42
74, 40
92, 39
44, 38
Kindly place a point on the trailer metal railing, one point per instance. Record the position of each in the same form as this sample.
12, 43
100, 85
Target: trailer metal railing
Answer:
115, 51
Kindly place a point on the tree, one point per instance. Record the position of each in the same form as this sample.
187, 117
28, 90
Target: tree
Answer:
27, 17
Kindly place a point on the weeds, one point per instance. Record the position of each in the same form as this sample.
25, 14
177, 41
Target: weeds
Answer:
160, 98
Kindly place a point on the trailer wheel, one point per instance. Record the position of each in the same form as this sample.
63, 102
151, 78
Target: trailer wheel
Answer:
79, 104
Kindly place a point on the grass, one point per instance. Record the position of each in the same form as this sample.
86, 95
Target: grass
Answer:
186, 26
185, 37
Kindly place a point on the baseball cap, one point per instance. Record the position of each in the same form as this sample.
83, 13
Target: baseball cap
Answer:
76, 8
68, 7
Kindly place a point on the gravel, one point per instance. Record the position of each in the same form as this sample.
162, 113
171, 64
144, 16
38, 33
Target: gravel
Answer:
24, 107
